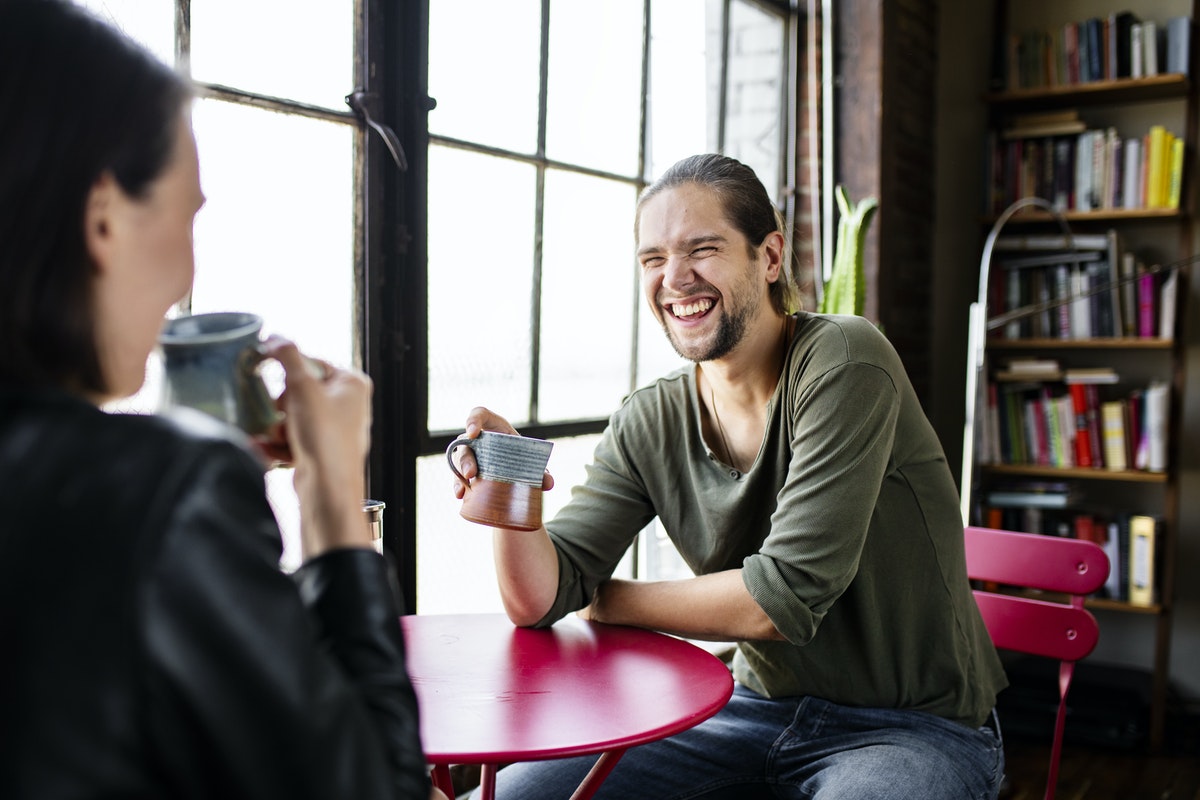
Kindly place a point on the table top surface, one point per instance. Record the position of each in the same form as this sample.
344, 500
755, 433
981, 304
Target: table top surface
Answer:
490, 692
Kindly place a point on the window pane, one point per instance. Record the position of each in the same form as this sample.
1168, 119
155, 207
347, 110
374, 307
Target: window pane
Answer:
753, 115
455, 571
594, 93
483, 71
685, 75
275, 236
278, 241
480, 286
150, 22
589, 287
297, 50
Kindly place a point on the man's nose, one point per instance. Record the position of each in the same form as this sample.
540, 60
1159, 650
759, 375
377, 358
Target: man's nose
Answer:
677, 272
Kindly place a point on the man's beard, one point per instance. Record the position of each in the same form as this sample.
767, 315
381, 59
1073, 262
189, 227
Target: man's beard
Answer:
731, 328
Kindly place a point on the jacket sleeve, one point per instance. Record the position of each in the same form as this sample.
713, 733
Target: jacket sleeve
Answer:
264, 685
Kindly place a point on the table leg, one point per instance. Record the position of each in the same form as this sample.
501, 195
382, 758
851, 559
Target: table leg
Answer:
441, 779
600, 770
487, 782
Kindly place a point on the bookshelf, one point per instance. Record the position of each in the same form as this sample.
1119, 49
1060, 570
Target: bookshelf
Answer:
1083, 286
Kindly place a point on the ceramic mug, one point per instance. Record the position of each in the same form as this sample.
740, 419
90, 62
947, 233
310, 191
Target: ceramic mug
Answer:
211, 363
507, 490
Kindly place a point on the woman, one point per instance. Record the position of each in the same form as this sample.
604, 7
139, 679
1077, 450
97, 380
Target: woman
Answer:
151, 645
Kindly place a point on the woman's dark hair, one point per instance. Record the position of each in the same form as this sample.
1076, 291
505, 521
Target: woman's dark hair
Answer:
747, 207
78, 99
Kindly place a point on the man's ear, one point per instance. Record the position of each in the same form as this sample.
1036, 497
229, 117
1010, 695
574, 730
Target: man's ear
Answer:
98, 221
772, 249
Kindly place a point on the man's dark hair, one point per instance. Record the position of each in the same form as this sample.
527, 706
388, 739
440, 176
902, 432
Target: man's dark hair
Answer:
78, 99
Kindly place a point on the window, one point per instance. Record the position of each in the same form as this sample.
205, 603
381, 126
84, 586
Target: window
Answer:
550, 118
277, 163
500, 265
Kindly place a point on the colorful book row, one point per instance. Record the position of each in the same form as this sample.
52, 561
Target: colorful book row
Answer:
1075, 425
1093, 170
1096, 290
1119, 45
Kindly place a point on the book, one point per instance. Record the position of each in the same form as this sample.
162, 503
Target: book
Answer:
1016, 498
1121, 26
1090, 375
1131, 195
1146, 297
1179, 36
1142, 556
1136, 59
1027, 369
1129, 304
1175, 173
1044, 129
1156, 401
1115, 316
1082, 440
1112, 417
1112, 549
1051, 241
1167, 297
1150, 48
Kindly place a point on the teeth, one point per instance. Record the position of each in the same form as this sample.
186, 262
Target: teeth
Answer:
692, 308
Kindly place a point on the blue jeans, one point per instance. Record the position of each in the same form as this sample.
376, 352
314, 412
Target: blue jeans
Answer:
789, 748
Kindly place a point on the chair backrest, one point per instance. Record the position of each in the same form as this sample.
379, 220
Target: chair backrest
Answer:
1045, 627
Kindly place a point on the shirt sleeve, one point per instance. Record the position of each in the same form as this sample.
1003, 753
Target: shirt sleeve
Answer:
261, 685
594, 530
842, 428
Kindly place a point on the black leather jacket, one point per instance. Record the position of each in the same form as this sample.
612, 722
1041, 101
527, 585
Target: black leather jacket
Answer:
150, 646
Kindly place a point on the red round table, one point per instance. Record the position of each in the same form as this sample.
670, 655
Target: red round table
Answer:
491, 693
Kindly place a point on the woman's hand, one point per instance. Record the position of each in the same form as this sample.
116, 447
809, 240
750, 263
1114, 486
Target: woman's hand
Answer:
327, 430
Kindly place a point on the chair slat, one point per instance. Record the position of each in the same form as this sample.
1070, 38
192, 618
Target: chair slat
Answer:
1050, 630
1063, 631
1036, 561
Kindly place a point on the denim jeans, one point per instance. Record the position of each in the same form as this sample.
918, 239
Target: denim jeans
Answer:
757, 747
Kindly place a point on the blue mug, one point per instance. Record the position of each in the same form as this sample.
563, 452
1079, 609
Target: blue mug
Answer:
211, 363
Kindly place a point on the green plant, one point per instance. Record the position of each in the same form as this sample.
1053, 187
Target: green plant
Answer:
846, 291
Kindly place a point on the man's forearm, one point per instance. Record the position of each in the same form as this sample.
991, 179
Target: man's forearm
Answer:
714, 607
527, 573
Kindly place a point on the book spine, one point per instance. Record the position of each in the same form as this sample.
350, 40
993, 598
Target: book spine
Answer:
1083, 445
1156, 401
1145, 296
1112, 413
1142, 534
1095, 434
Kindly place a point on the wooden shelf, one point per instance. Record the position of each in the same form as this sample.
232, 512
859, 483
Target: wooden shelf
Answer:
1125, 90
1097, 216
1127, 343
1073, 473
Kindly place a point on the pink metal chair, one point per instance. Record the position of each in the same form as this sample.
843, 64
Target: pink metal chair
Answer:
1042, 627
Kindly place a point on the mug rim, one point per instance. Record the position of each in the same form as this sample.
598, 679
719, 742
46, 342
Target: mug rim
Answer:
239, 324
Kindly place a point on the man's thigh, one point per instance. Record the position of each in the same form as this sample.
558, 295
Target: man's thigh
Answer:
833, 752
789, 748
724, 756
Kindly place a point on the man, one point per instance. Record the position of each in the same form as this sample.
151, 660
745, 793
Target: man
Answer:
796, 473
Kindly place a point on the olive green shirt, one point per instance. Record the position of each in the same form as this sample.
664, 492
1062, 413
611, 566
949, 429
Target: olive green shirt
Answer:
847, 527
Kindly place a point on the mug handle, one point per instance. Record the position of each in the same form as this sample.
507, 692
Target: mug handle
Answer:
461, 441
262, 410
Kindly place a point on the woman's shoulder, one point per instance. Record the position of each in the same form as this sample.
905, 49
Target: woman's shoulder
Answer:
61, 425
